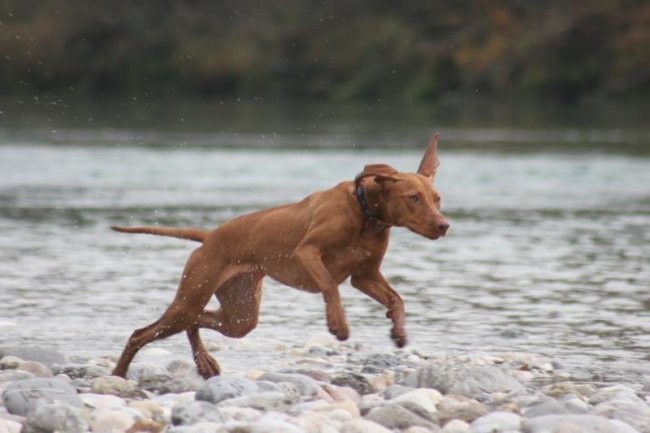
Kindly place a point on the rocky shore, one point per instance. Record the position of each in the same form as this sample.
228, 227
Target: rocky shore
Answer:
323, 388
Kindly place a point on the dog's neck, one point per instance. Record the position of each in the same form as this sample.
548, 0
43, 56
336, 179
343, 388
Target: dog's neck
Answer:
369, 203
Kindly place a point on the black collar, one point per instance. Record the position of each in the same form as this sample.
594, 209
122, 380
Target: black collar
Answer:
369, 217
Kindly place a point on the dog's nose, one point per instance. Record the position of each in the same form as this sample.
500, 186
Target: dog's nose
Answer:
443, 227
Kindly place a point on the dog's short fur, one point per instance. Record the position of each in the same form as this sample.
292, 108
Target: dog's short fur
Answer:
312, 245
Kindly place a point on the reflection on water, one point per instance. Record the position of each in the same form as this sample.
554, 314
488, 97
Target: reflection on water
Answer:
548, 250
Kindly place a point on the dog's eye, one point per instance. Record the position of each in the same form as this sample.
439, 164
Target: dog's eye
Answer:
414, 198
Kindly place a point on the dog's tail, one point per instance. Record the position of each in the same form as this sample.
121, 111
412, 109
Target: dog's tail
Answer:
191, 234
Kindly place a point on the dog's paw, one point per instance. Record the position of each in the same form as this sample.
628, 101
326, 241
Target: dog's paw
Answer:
207, 366
398, 337
341, 333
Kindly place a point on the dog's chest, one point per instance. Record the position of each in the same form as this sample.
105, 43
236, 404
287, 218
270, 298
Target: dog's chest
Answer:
344, 261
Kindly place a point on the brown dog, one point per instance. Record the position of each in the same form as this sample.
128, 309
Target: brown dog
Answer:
313, 245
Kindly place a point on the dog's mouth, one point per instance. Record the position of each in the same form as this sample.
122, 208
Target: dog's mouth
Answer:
432, 230
432, 234
435, 236
438, 231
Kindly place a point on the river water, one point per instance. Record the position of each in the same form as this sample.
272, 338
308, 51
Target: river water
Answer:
548, 251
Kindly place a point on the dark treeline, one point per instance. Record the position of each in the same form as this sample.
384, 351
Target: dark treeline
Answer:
333, 50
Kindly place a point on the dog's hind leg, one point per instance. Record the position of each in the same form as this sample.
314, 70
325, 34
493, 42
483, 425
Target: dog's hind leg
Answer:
206, 365
240, 298
195, 289
166, 326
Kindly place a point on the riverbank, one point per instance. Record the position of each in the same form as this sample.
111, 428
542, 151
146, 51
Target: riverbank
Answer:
322, 388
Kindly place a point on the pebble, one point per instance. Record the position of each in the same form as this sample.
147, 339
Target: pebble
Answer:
191, 412
363, 426
574, 424
81, 371
10, 362
344, 390
395, 416
264, 401
8, 426
54, 415
306, 386
496, 422
36, 368
383, 360
456, 426
112, 385
20, 395
450, 378
111, 421
44, 356
221, 388
423, 397
454, 407
355, 381
626, 407
14, 375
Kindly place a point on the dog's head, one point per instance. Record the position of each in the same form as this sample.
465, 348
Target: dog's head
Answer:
411, 200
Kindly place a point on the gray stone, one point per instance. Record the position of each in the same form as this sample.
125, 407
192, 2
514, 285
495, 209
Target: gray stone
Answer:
363, 426
355, 381
456, 426
395, 391
156, 379
318, 375
219, 388
176, 385
417, 429
145, 372
548, 407
265, 401
112, 385
208, 427
305, 385
418, 410
181, 368
322, 351
574, 424
378, 362
465, 410
468, 381
271, 386
191, 412
38, 369
19, 396
48, 357
14, 375
267, 424
497, 422
382, 360
645, 384
81, 371
111, 420
47, 416
628, 408
396, 416
610, 393
10, 362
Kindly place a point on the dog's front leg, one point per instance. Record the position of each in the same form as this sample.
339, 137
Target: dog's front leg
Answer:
375, 285
311, 274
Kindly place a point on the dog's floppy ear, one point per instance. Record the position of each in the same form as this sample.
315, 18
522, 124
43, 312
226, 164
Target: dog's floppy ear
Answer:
378, 170
430, 163
381, 172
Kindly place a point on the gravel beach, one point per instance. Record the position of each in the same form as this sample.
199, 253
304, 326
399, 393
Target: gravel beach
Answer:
323, 388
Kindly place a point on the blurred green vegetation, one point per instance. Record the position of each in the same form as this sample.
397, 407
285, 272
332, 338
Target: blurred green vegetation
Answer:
419, 50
